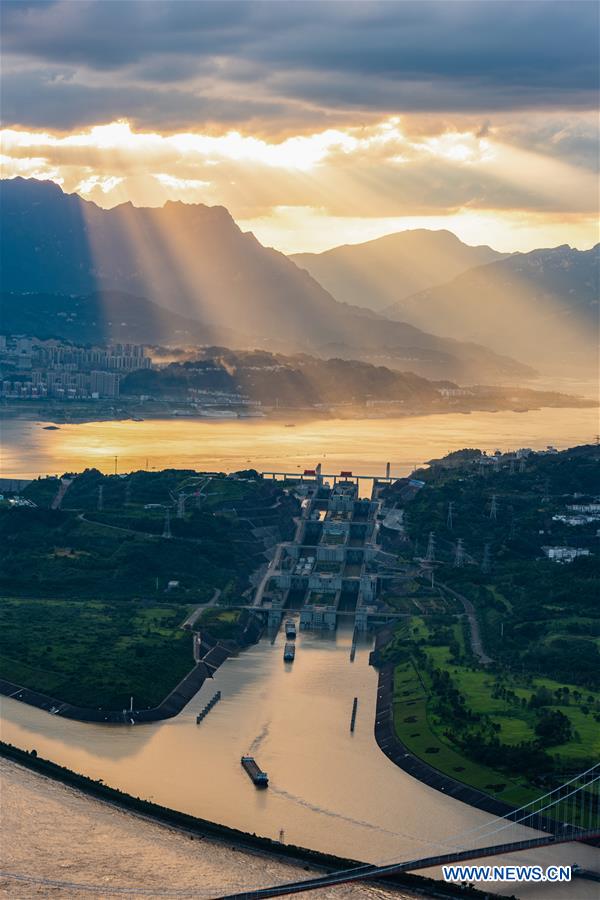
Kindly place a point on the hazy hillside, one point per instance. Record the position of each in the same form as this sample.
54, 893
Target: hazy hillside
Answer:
380, 272
541, 306
102, 318
195, 261
290, 381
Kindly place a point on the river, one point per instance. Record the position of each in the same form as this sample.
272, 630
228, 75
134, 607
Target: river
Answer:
329, 789
364, 446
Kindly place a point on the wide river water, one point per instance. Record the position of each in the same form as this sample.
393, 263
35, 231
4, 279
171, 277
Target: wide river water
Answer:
364, 446
329, 789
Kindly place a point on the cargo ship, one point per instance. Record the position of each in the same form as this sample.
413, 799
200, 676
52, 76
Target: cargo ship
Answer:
289, 652
290, 629
254, 772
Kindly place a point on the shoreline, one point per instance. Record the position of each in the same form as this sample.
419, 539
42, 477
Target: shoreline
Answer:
56, 416
169, 707
193, 826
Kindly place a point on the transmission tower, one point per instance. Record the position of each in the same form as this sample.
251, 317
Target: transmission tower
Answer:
486, 563
180, 506
100, 497
167, 529
494, 508
459, 554
430, 555
449, 517
546, 496
198, 499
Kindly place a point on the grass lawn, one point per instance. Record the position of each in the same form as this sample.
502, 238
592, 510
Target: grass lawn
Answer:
426, 734
94, 654
413, 727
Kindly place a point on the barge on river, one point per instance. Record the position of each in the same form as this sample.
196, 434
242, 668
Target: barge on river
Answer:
254, 772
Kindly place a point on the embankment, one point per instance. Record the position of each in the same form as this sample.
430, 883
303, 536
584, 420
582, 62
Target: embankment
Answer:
210, 654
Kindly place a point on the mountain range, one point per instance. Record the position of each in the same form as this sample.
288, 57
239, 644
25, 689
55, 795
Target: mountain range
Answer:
541, 306
195, 262
382, 272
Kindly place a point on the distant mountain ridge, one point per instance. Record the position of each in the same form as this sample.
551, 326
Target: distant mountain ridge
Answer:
194, 261
381, 272
104, 318
542, 306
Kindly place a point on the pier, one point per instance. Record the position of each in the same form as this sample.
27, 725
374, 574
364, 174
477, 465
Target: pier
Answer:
211, 703
353, 716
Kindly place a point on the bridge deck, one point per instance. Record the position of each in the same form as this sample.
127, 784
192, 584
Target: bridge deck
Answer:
371, 871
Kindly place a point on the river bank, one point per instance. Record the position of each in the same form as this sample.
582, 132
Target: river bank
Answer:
209, 654
263, 861
56, 837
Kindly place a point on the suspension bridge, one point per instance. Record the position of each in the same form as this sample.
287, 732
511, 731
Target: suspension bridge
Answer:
567, 813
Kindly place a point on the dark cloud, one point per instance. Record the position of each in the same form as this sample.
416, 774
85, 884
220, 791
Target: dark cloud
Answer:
50, 99
293, 60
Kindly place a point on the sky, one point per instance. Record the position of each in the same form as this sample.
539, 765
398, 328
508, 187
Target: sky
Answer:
316, 123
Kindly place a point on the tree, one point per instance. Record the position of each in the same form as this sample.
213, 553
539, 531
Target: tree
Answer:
553, 727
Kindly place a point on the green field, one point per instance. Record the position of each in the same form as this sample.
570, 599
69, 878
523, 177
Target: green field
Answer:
415, 728
495, 706
94, 654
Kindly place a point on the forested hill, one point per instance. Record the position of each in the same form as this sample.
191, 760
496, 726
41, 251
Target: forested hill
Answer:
287, 380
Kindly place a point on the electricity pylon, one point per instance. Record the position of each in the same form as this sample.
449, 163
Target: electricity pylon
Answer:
430, 555
459, 554
167, 529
